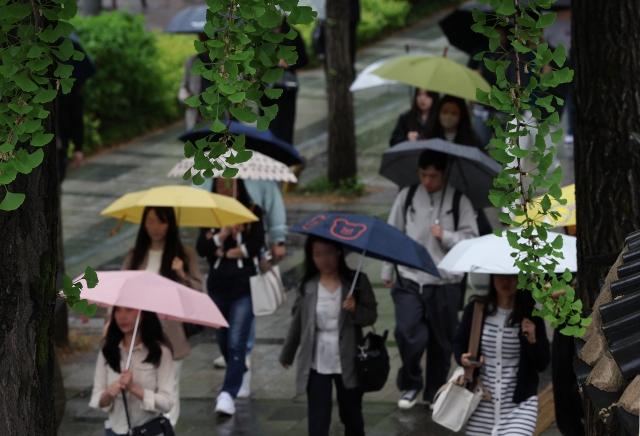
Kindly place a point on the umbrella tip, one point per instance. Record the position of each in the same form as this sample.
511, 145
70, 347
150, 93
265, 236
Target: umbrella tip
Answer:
444, 53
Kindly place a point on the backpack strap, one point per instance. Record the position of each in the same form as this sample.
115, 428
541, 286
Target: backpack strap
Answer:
456, 208
409, 200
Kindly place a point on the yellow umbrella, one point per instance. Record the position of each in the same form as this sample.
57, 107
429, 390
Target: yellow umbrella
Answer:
439, 74
194, 207
567, 211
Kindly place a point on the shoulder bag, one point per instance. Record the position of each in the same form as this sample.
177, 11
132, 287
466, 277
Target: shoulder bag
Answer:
267, 289
457, 399
372, 362
159, 426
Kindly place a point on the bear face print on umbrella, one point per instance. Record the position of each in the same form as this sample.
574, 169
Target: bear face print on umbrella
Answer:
371, 237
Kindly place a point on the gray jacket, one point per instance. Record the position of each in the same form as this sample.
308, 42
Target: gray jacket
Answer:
302, 331
190, 85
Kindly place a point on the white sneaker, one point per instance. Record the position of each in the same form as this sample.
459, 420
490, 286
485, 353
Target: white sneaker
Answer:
219, 362
225, 404
245, 389
408, 400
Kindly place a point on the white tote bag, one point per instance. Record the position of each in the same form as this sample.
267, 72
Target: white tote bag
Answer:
267, 291
455, 403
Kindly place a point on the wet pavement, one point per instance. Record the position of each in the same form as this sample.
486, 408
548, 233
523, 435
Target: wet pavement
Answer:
273, 407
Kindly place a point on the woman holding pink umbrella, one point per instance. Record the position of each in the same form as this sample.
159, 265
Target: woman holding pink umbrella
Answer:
159, 250
147, 383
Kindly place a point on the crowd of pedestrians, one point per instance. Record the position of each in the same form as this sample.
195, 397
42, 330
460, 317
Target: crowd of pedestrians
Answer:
327, 319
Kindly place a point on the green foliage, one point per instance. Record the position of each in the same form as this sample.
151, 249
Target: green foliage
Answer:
72, 291
352, 187
319, 186
535, 255
245, 53
30, 76
139, 73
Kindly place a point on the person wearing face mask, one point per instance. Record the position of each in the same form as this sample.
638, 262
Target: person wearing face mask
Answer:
413, 123
453, 123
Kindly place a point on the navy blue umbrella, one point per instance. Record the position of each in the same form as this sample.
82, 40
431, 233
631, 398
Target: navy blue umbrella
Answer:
263, 142
370, 236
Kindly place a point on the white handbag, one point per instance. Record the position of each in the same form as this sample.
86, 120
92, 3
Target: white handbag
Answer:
457, 399
455, 403
267, 290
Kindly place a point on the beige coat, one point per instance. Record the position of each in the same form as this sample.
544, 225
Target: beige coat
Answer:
174, 329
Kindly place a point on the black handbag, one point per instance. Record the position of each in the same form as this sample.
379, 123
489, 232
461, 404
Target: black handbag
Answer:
372, 362
159, 426
192, 329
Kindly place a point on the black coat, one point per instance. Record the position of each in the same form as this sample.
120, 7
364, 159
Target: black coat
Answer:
405, 125
534, 358
228, 280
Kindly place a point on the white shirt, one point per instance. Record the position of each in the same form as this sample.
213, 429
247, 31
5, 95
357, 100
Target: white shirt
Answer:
154, 261
156, 382
450, 136
327, 351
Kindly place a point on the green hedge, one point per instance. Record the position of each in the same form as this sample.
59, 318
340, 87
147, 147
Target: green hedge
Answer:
139, 72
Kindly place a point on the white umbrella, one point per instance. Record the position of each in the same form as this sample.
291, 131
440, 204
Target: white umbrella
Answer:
366, 79
491, 254
259, 167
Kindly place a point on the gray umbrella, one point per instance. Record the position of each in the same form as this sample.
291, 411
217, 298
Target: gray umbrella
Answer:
188, 20
470, 170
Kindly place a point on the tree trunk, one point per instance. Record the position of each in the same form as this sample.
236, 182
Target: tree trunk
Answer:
342, 135
27, 299
606, 59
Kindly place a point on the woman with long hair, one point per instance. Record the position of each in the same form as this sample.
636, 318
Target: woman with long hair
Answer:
327, 326
514, 348
158, 249
412, 124
451, 121
147, 384
231, 252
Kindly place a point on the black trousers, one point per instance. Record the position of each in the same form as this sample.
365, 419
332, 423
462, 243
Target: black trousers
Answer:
282, 126
426, 320
319, 391
568, 404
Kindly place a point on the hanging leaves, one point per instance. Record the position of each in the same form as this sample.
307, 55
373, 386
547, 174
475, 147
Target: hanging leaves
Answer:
516, 186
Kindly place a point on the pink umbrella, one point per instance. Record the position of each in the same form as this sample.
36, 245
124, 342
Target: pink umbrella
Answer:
144, 290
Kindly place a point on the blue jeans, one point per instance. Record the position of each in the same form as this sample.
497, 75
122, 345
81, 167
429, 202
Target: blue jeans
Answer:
252, 337
233, 340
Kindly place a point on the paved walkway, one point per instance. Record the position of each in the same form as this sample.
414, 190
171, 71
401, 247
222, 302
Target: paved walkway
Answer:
273, 408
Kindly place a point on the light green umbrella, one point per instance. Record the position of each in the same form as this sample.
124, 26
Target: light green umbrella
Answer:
439, 74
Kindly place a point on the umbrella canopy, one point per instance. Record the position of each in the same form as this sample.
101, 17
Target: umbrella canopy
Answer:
491, 254
194, 207
144, 290
370, 236
470, 170
366, 79
259, 167
188, 20
264, 142
567, 212
457, 25
457, 28
437, 74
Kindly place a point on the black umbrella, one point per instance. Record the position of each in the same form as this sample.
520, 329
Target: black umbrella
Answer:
261, 141
470, 170
457, 26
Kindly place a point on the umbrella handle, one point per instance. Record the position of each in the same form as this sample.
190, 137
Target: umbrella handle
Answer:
355, 278
133, 340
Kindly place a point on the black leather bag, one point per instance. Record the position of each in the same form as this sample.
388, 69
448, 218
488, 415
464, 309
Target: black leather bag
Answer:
160, 426
372, 362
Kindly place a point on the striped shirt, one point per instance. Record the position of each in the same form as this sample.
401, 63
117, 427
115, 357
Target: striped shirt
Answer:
501, 416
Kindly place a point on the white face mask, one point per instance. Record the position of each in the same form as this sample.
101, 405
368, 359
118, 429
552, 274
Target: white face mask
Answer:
449, 121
